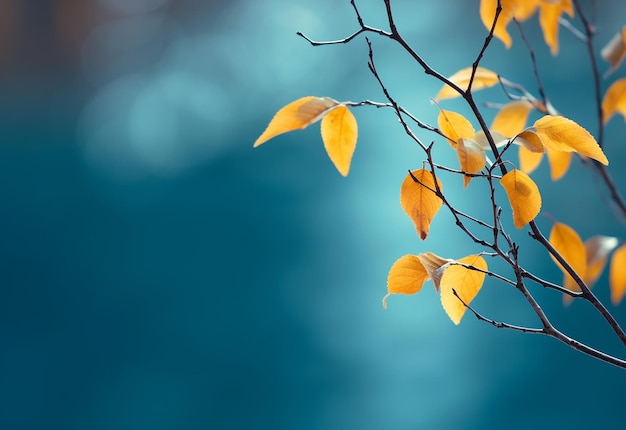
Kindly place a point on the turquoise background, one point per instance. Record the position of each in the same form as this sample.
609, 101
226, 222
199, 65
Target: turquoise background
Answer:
157, 272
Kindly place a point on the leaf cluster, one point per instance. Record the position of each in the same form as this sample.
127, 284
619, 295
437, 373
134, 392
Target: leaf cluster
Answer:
484, 153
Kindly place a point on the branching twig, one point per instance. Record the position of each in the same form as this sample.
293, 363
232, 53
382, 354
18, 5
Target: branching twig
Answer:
500, 244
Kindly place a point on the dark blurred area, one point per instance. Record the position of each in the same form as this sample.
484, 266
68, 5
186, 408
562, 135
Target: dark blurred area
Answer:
157, 272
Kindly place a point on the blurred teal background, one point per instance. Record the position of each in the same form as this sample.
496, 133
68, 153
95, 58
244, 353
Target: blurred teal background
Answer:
157, 272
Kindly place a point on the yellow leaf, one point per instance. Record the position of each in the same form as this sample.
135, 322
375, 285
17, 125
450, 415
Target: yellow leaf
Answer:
617, 275
434, 266
518, 9
559, 163
406, 276
483, 78
549, 14
530, 140
466, 282
615, 100
419, 201
528, 160
563, 134
567, 242
512, 118
597, 249
339, 133
471, 157
454, 126
615, 51
297, 115
523, 195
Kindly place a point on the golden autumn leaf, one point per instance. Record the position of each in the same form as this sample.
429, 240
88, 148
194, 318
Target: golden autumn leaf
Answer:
529, 140
617, 275
511, 119
483, 78
614, 100
559, 163
454, 126
419, 201
472, 158
523, 195
597, 249
465, 281
549, 15
615, 51
518, 9
406, 276
571, 247
339, 133
563, 134
296, 115
528, 160
434, 266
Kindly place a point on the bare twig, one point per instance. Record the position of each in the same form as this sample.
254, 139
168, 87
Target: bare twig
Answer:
533, 61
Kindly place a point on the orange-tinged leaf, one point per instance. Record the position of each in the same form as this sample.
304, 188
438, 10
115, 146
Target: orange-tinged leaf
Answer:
518, 9
563, 134
419, 201
614, 100
528, 160
523, 195
549, 20
559, 163
339, 133
597, 249
530, 140
617, 275
472, 158
454, 126
571, 247
465, 281
406, 276
434, 266
615, 51
296, 115
512, 118
483, 78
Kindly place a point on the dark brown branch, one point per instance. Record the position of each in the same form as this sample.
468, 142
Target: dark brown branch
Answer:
589, 31
498, 324
488, 39
533, 60
550, 285
586, 292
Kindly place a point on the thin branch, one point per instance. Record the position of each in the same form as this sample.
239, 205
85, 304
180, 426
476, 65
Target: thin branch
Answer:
594, 69
586, 292
588, 39
499, 324
364, 28
568, 25
550, 285
613, 191
549, 331
533, 60
412, 117
488, 39
486, 272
